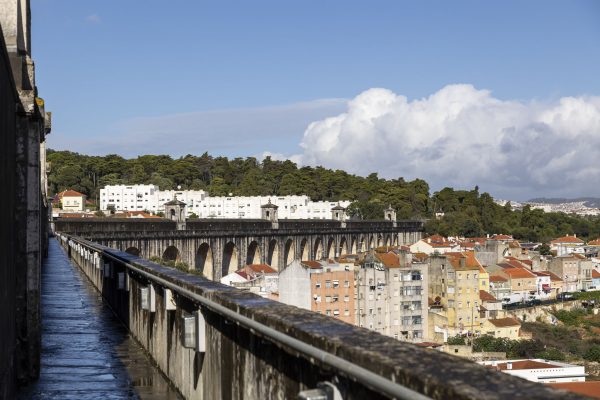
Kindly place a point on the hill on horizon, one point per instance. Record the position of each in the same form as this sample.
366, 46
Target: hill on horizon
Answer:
593, 202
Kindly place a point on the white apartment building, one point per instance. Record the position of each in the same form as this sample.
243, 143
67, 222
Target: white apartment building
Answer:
150, 198
391, 294
538, 370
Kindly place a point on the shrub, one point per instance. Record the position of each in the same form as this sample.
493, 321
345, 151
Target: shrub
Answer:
592, 353
551, 354
456, 340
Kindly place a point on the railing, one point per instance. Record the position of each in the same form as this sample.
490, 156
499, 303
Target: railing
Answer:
215, 341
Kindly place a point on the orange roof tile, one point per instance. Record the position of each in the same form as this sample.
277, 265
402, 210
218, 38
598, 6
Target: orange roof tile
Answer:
389, 260
497, 278
525, 364
519, 273
567, 239
595, 242
486, 296
587, 388
595, 274
312, 264
261, 268
70, 193
502, 237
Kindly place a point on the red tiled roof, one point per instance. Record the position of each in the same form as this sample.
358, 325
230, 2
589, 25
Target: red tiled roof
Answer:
502, 237
389, 260
595, 274
587, 388
486, 296
497, 278
243, 274
525, 364
567, 239
312, 264
505, 322
70, 193
519, 273
261, 268
595, 242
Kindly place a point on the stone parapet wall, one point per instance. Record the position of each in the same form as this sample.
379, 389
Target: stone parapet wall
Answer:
242, 363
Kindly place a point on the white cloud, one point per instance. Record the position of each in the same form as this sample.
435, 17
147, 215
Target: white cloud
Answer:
462, 137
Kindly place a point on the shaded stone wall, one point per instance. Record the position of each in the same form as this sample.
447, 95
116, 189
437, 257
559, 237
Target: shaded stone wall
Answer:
8, 107
24, 125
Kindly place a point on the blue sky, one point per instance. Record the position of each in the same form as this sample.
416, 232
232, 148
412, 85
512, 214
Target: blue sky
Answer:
243, 78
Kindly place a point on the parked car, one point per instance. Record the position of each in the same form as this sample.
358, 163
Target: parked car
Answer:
564, 296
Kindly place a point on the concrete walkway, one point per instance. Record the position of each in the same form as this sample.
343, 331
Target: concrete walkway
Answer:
86, 352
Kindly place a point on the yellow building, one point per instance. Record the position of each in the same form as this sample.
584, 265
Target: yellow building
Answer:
454, 284
508, 327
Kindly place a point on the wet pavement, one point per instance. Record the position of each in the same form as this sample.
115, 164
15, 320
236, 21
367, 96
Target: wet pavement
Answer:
86, 351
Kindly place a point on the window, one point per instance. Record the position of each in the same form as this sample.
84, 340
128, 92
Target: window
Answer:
336, 312
346, 298
318, 299
327, 299
336, 283
318, 285
327, 312
335, 298
346, 312
347, 284
328, 284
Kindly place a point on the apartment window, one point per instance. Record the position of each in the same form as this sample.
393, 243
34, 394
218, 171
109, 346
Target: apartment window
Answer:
346, 298
416, 320
370, 311
327, 299
347, 284
336, 283
346, 312
467, 276
335, 298
327, 284
318, 285
336, 312
395, 277
327, 312
460, 304
318, 299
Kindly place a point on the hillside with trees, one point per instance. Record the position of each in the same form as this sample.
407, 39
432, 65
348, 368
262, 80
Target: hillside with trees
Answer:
466, 212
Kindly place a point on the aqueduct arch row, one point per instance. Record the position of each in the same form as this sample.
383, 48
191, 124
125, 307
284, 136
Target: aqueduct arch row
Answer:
217, 256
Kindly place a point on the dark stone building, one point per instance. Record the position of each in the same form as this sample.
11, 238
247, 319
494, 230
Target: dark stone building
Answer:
23, 204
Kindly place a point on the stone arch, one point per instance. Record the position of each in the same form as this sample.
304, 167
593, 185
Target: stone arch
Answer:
253, 253
388, 240
273, 254
133, 251
343, 249
395, 241
230, 258
171, 253
288, 252
362, 245
371, 243
318, 249
379, 240
353, 245
204, 260
304, 250
331, 248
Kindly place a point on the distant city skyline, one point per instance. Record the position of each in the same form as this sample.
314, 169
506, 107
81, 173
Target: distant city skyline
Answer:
503, 96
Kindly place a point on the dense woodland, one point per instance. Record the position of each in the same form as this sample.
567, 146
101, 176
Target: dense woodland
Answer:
466, 212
